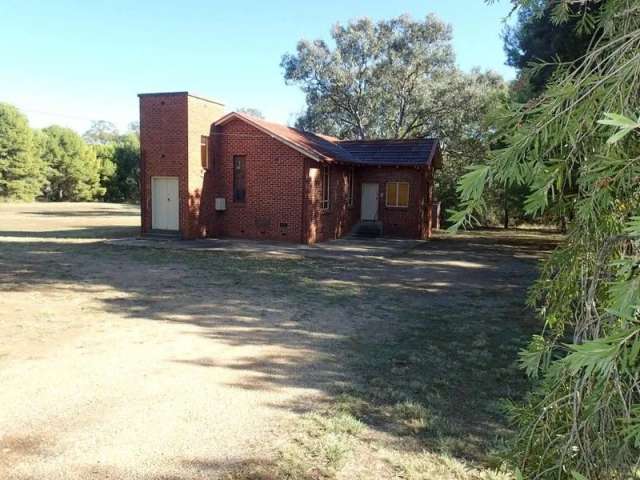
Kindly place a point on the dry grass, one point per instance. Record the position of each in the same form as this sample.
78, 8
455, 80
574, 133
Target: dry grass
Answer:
383, 368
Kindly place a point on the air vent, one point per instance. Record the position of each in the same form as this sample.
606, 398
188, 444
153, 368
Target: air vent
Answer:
221, 204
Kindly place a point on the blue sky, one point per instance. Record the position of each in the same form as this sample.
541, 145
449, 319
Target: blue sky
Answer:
68, 62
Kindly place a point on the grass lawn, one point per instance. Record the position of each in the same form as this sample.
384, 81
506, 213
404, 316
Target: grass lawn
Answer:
377, 368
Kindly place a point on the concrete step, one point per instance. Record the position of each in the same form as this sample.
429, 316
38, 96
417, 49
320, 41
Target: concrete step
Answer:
367, 230
161, 235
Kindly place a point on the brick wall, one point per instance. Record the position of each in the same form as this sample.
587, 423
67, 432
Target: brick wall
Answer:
274, 186
283, 187
163, 143
201, 114
412, 221
338, 220
170, 129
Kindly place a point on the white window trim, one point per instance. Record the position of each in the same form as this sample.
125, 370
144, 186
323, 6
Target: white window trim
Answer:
325, 171
204, 143
351, 186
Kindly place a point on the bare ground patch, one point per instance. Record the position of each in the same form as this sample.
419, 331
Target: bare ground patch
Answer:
146, 363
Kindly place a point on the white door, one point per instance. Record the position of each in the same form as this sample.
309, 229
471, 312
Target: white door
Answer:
164, 203
369, 204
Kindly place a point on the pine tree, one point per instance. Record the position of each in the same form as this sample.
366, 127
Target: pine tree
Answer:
21, 170
73, 170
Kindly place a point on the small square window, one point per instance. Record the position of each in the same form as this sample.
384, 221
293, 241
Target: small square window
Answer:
397, 194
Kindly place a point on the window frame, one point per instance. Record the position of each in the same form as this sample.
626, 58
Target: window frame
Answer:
237, 178
204, 152
396, 201
350, 186
325, 186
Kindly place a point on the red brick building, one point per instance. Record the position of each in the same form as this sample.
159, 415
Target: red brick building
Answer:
206, 174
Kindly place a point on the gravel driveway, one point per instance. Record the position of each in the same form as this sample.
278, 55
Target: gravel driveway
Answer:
134, 363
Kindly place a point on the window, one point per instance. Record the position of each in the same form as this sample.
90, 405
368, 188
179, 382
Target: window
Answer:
204, 151
324, 176
350, 186
397, 194
239, 172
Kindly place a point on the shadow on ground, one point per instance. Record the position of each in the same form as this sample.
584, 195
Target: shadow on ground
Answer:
94, 212
74, 233
420, 345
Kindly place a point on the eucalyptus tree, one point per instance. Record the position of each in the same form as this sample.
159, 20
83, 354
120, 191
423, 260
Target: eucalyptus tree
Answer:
101, 132
254, 112
374, 82
396, 79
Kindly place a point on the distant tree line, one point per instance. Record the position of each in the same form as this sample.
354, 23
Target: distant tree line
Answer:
56, 163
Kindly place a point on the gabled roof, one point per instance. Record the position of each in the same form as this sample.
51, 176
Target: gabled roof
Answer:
309, 144
357, 152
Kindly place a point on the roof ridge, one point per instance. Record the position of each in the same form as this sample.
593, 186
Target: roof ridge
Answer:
288, 134
399, 140
280, 125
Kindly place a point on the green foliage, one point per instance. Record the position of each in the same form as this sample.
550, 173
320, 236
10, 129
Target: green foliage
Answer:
372, 84
625, 126
21, 170
396, 78
73, 170
119, 159
123, 184
101, 132
536, 358
577, 148
537, 42
105, 154
56, 162
254, 112
471, 187
463, 105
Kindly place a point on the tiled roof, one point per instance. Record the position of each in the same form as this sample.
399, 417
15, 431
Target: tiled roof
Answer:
322, 145
392, 152
360, 152
313, 146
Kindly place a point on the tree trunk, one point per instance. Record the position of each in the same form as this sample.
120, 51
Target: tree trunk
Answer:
506, 211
